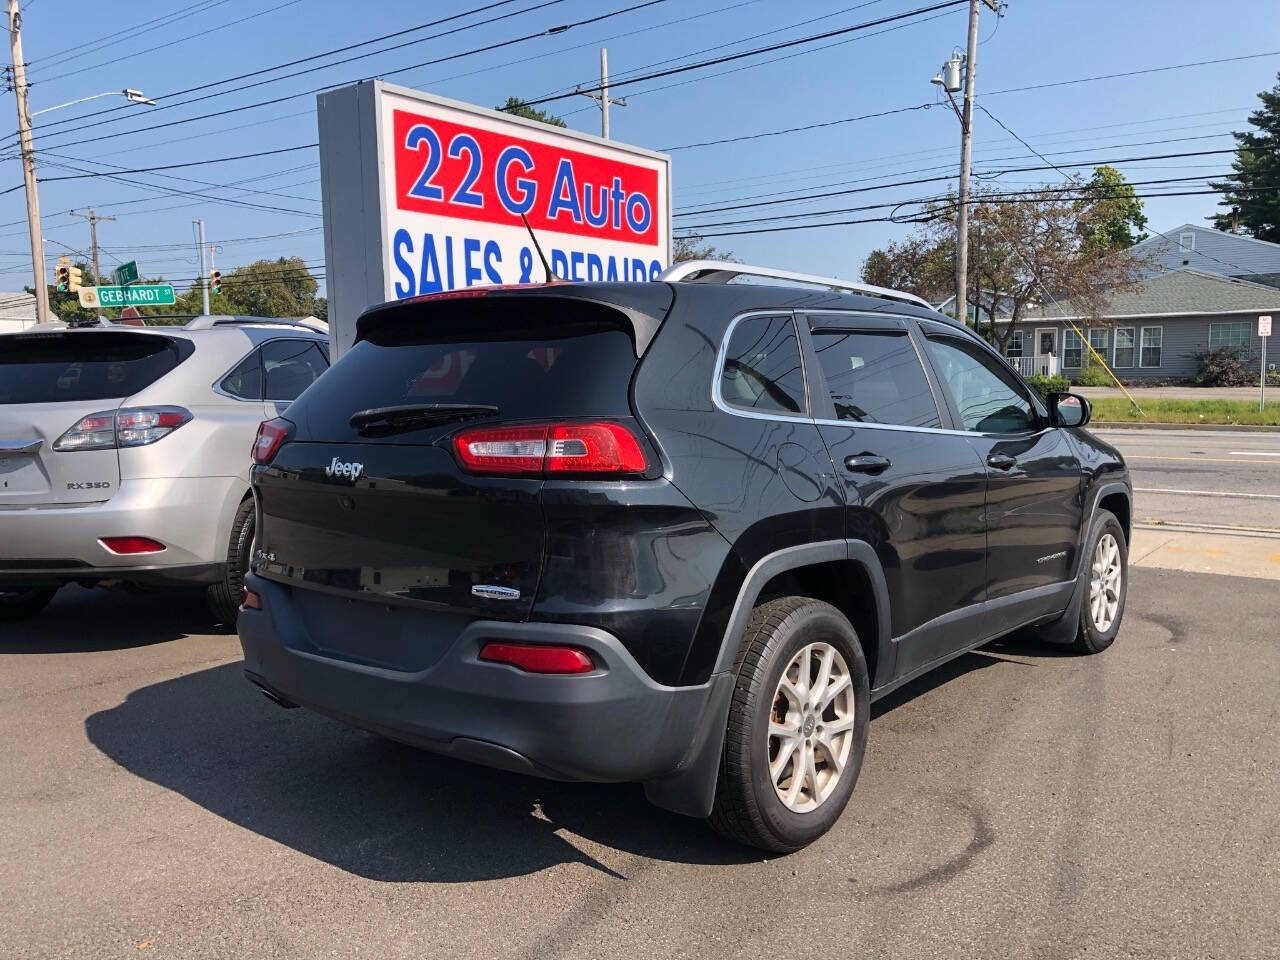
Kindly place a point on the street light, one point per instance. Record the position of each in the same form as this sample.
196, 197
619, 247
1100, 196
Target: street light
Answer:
133, 96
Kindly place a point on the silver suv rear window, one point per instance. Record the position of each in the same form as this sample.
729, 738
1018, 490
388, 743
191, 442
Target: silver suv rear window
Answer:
66, 366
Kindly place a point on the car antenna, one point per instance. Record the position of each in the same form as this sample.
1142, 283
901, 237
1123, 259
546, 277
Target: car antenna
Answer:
537, 246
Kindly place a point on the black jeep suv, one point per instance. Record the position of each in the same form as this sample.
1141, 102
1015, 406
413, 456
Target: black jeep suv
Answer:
676, 533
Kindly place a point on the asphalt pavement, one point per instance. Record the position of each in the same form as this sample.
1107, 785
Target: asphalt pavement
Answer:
1017, 803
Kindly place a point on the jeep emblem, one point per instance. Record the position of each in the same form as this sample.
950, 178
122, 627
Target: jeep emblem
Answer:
337, 468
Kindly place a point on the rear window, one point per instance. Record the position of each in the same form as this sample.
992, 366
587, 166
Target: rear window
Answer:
528, 362
91, 365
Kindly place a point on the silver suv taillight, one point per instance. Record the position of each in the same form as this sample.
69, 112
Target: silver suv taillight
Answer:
127, 427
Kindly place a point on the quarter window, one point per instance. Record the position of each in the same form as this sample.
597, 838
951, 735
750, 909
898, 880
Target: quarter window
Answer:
1124, 347
1152, 339
245, 381
986, 396
875, 378
762, 370
1230, 335
1072, 349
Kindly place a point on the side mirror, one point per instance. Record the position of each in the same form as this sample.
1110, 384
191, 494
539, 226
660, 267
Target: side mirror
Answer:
1069, 409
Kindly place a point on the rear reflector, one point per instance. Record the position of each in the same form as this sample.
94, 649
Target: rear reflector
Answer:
271, 434
559, 449
127, 545
250, 600
538, 657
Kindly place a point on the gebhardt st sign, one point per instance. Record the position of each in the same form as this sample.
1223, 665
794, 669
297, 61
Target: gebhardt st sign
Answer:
423, 195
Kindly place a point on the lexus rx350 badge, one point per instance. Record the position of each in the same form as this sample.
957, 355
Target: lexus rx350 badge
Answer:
338, 468
488, 591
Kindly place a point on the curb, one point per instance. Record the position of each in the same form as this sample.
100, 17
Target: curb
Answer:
1205, 427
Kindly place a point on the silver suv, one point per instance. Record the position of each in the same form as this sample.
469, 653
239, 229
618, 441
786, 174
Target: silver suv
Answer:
125, 452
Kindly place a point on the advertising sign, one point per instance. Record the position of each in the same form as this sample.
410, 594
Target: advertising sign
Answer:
423, 195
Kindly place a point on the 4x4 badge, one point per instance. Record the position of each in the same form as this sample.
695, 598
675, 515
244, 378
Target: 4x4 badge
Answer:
490, 592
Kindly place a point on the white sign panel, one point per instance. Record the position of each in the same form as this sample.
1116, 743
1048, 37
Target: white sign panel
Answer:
452, 185
1264, 325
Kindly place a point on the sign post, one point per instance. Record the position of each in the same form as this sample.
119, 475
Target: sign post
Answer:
424, 195
1264, 331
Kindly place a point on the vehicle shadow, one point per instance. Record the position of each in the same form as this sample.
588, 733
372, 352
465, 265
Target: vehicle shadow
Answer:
372, 807
81, 620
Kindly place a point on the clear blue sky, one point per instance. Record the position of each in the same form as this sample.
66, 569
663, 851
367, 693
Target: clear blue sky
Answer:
1037, 42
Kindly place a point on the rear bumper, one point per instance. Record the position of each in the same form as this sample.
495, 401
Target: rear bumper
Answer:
612, 725
58, 544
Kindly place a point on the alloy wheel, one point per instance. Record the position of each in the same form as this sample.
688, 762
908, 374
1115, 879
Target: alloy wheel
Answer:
811, 727
1105, 582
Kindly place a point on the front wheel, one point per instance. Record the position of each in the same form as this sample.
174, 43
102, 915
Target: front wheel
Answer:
1106, 576
797, 728
19, 603
224, 596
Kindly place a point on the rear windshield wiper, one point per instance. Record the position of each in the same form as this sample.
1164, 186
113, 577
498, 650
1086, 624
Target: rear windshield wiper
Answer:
411, 416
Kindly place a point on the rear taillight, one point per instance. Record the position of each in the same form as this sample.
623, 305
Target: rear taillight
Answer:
538, 657
555, 449
126, 427
271, 434
130, 545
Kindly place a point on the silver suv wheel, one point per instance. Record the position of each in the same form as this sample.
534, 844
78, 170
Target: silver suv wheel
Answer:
1104, 584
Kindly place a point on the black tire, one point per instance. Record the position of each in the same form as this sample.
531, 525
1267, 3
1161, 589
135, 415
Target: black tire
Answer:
20, 603
747, 807
1089, 639
224, 597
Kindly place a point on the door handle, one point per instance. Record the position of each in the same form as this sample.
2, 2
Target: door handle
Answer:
1001, 461
866, 463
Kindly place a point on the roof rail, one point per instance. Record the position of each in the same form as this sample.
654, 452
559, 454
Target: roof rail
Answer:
208, 322
722, 271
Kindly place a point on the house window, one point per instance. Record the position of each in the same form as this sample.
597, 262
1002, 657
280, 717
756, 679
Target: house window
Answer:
1098, 340
1072, 349
1152, 338
1124, 347
1186, 242
1234, 334
1014, 350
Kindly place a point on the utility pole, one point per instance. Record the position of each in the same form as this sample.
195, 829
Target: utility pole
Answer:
93, 219
602, 95
204, 276
19, 68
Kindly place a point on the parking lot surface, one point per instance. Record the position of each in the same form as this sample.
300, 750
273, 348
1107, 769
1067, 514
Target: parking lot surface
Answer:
1017, 803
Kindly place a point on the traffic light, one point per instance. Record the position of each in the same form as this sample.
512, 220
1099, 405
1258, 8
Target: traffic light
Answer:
74, 276
215, 281
63, 275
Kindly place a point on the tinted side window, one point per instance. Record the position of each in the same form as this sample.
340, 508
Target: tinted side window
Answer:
875, 378
987, 397
762, 370
290, 366
245, 381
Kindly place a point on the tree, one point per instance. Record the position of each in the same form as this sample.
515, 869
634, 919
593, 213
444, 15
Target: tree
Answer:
518, 108
1119, 220
1251, 189
265, 288
694, 247
1048, 243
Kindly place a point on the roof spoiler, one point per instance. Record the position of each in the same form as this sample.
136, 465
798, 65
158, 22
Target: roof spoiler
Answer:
722, 271
207, 322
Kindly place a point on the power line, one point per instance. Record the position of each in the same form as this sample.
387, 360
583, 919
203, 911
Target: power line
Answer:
146, 26
1132, 73
782, 45
189, 163
809, 126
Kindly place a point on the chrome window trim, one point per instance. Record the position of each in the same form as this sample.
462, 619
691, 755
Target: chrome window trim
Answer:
717, 399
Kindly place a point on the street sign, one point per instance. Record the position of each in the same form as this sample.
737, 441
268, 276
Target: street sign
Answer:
138, 295
126, 273
442, 195
1264, 331
1264, 325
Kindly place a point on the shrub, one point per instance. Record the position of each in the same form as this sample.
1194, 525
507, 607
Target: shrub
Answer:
1224, 367
1046, 385
1093, 375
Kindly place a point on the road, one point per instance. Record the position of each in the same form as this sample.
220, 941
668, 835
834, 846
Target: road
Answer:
1018, 803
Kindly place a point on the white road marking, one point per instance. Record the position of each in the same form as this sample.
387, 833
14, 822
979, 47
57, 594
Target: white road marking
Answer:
1253, 453
1209, 493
